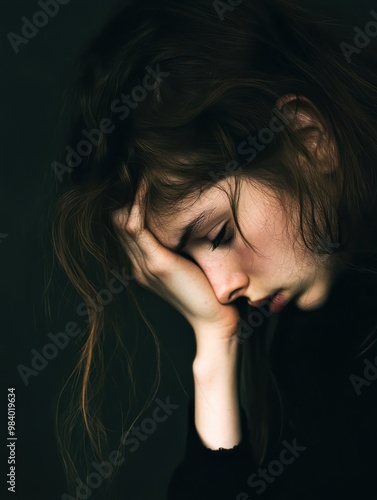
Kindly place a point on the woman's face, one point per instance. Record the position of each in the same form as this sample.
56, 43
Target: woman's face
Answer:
233, 268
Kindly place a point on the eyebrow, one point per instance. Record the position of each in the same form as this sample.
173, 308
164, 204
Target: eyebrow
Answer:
192, 227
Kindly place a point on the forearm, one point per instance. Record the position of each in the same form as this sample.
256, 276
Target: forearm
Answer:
217, 417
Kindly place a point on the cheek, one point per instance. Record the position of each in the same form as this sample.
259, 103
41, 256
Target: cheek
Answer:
224, 259
273, 246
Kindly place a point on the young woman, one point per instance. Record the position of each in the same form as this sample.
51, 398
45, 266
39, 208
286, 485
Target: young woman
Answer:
225, 153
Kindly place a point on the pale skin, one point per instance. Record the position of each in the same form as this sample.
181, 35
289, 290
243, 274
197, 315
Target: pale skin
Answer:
203, 291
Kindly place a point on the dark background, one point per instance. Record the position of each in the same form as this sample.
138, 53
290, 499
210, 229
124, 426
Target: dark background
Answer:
32, 83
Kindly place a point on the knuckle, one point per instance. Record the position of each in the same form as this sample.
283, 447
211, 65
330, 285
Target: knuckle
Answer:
119, 220
131, 227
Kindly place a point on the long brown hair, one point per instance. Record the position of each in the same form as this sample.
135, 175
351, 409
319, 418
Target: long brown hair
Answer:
167, 92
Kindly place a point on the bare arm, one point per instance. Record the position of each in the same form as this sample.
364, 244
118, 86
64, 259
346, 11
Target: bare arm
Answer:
217, 417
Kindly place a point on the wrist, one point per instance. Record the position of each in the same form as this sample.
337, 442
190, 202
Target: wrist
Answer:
217, 418
217, 359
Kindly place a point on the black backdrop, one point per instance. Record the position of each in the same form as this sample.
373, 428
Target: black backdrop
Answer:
32, 82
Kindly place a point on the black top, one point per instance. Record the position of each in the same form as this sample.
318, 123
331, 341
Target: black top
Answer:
328, 446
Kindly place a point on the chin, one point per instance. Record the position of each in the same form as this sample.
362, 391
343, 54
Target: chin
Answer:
312, 299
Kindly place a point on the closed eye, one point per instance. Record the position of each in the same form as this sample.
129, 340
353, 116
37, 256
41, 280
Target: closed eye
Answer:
219, 240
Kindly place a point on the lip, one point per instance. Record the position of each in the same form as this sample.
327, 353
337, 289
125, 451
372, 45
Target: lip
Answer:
259, 302
276, 300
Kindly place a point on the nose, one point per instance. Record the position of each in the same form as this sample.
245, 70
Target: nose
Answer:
227, 285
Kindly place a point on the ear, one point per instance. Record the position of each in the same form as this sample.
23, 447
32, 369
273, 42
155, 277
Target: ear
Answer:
305, 117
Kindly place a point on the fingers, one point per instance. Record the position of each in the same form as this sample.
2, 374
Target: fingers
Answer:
128, 219
146, 254
135, 220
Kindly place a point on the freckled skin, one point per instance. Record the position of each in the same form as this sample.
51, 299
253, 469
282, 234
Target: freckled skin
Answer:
235, 270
